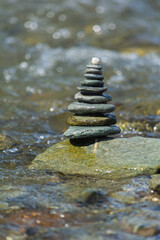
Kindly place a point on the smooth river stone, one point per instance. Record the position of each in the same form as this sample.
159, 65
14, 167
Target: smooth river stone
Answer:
94, 66
109, 119
93, 98
93, 76
74, 132
91, 90
93, 70
92, 83
86, 108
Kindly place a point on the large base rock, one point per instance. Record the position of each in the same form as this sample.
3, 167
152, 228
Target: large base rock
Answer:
108, 158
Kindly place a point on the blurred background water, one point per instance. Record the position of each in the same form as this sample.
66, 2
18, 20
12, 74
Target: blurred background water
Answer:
44, 49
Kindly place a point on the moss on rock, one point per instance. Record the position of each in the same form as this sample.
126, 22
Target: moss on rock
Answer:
110, 158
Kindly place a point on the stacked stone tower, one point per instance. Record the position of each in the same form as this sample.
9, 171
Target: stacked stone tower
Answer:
92, 113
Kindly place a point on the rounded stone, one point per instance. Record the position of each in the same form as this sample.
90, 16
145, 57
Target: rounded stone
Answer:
93, 76
81, 108
94, 66
74, 132
155, 183
92, 83
104, 98
94, 71
109, 119
91, 90
95, 60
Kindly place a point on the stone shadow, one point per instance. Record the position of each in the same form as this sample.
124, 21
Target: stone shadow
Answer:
88, 141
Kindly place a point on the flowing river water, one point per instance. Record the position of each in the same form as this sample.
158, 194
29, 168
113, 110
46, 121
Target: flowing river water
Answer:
44, 49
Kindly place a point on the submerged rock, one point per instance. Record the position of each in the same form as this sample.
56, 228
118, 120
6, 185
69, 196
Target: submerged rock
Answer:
91, 196
155, 183
6, 142
142, 116
108, 158
146, 231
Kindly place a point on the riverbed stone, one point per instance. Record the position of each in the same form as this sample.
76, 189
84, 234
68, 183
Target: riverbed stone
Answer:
144, 116
155, 183
86, 108
92, 83
74, 132
91, 196
110, 158
6, 142
106, 120
93, 98
146, 230
91, 90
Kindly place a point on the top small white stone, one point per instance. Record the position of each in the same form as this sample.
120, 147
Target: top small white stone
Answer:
95, 60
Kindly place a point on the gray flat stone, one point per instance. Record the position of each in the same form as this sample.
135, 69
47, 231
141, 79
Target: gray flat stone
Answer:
92, 83
93, 98
86, 108
93, 76
6, 142
93, 70
92, 90
104, 120
94, 66
74, 132
110, 158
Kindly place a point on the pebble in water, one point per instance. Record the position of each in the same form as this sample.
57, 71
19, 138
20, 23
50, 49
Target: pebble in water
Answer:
92, 113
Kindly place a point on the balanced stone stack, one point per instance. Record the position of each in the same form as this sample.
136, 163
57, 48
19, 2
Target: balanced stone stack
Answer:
92, 113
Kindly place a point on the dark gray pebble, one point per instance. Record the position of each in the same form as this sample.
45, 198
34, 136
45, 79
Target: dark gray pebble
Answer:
93, 70
94, 66
93, 76
93, 98
74, 132
91, 90
92, 83
87, 108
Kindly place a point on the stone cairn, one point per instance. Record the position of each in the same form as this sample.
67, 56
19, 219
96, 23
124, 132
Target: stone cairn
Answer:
92, 113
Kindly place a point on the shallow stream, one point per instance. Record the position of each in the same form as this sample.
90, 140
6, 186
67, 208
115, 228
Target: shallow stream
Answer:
44, 49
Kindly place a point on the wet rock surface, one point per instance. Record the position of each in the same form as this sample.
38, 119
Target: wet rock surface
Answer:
112, 158
6, 142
